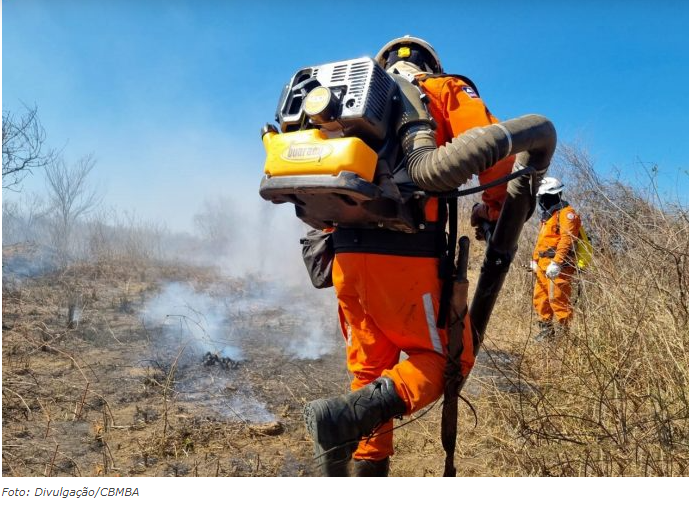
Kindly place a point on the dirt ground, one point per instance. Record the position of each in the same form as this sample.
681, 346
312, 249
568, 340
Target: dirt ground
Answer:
117, 393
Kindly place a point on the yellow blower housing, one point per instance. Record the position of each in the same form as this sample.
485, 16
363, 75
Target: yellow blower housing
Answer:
335, 150
311, 152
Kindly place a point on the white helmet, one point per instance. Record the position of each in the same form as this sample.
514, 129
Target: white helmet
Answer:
432, 57
550, 185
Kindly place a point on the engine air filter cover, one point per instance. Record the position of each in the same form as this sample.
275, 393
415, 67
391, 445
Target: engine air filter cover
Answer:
351, 97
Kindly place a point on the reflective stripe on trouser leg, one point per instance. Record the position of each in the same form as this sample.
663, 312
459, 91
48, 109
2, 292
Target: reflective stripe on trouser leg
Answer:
382, 299
430, 322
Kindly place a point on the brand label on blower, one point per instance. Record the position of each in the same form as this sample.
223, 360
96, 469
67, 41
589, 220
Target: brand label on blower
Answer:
305, 152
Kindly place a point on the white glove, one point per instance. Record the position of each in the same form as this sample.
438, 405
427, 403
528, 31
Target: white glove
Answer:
553, 270
534, 266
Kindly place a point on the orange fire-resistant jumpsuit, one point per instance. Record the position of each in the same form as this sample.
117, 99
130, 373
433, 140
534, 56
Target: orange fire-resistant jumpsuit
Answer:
556, 241
388, 303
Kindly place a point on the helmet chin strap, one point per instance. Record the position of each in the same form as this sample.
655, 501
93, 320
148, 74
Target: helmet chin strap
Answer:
408, 70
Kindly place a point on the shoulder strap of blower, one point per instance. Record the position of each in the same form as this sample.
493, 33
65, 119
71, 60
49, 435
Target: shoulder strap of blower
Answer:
447, 209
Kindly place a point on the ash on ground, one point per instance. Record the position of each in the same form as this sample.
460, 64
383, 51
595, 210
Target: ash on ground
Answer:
211, 359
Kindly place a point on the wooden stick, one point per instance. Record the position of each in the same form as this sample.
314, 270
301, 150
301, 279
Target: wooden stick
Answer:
83, 399
52, 462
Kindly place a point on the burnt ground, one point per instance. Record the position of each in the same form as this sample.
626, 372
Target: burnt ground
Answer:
176, 371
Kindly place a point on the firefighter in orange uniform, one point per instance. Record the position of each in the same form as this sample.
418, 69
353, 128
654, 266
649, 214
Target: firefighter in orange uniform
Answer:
553, 258
388, 289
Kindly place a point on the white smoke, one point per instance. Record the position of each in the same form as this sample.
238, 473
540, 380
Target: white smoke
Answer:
312, 346
245, 235
194, 324
194, 318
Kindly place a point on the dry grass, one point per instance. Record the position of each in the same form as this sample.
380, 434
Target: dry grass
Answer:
108, 397
609, 398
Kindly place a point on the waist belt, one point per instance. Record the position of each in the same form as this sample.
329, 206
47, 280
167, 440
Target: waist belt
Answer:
424, 243
549, 253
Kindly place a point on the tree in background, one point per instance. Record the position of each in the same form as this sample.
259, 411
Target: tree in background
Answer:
216, 224
23, 220
23, 146
70, 197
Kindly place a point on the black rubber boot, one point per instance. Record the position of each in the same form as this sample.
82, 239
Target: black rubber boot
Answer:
372, 468
337, 424
547, 331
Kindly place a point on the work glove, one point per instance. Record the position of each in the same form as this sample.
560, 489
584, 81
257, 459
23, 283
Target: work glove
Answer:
534, 265
479, 218
553, 270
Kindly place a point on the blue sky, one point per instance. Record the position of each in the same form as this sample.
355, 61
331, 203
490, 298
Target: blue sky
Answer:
170, 95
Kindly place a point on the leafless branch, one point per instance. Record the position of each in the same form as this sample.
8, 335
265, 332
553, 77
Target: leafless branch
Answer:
23, 146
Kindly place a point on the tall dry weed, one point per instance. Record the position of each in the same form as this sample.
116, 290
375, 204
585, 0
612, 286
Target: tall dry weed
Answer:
610, 396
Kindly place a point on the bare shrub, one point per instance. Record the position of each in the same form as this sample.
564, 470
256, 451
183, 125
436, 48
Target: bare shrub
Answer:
216, 223
24, 219
23, 146
609, 397
124, 238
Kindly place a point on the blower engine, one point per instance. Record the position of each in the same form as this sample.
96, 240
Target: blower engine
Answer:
335, 155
